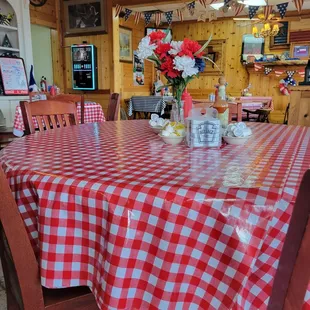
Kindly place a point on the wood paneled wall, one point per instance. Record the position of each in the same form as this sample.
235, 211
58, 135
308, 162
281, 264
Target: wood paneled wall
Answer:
236, 74
44, 15
128, 89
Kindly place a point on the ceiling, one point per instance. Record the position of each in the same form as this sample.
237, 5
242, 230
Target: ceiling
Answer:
200, 11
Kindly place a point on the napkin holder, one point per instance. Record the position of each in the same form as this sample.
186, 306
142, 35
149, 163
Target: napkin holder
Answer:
203, 128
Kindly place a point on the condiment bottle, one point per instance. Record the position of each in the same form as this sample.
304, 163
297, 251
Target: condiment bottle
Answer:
188, 103
222, 108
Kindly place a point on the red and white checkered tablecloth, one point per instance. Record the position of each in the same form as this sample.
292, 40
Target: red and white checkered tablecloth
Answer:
93, 113
152, 226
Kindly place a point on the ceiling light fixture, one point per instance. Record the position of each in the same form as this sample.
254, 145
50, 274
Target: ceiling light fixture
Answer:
266, 31
217, 6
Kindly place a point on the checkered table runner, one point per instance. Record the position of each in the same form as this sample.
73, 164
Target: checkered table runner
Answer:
152, 226
92, 113
153, 104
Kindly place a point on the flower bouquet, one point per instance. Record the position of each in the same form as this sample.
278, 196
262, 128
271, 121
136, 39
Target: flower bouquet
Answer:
179, 61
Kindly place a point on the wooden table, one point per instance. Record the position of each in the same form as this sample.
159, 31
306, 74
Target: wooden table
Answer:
6, 136
153, 226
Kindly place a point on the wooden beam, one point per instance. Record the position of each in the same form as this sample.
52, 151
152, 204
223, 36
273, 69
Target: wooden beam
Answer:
132, 3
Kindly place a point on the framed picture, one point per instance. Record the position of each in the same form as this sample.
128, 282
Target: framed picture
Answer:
85, 17
125, 44
252, 46
281, 40
216, 52
300, 50
13, 76
149, 30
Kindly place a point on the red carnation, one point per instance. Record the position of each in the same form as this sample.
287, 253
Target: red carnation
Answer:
156, 36
167, 68
189, 48
162, 50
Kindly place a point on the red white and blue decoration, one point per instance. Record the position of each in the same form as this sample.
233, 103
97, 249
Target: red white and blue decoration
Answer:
190, 6
289, 79
282, 7
267, 70
252, 11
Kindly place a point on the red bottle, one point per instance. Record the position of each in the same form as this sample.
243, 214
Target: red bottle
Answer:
188, 102
53, 91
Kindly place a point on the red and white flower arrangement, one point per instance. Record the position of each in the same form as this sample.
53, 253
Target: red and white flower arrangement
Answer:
179, 61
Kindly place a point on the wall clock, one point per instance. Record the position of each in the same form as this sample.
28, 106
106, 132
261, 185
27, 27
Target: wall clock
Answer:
38, 2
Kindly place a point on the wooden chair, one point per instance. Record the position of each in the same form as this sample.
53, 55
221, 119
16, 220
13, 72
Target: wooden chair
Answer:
293, 273
235, 111
72, 98
21, 270
114, 107
49, 114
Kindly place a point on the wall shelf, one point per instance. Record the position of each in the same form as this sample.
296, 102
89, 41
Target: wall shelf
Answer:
8, 28
279, 63
9, 49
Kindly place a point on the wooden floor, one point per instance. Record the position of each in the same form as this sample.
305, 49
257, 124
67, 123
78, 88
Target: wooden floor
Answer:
2, 291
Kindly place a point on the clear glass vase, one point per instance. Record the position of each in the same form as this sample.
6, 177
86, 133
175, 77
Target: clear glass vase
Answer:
177, 112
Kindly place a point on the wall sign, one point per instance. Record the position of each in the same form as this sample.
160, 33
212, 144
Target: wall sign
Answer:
281, 40
13, 76
84, 67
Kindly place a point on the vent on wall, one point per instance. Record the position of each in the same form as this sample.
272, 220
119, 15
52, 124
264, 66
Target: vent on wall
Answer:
300, 36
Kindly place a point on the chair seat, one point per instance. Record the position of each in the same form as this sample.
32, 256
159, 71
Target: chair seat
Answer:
78, 298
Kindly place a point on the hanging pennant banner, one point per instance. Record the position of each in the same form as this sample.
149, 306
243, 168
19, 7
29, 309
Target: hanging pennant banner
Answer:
258, 67
127, 14
157, 18
147, 17
289, 79
118, 9
212, 15
298, 4
301, 73
180, 14
238, 8
169, 17
203, 3
278, 72
252, 11
137, 17
282, 7
267, 11
191, 8
267, 70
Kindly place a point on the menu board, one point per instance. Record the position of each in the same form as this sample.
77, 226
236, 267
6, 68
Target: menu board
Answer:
13, 76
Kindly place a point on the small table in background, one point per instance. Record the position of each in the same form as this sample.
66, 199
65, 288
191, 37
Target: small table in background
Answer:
93, 113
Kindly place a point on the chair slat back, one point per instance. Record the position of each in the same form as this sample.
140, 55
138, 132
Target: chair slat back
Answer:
114, 107
45, 110
20, 267
72, 98
293, 272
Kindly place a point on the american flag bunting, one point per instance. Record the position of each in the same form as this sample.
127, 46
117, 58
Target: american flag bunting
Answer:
118, 10
301, 73
127, 14
278, 73
169, 17
238, 8
298, 4
252, 11
203, 3
157, 18
267, 70
191, 7
180, 14
258, 67
282, 7
147, 17
267, 11
137, 17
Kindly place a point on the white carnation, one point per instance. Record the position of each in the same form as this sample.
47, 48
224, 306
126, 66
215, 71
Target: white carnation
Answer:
145, 49
185, 64
175, 47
